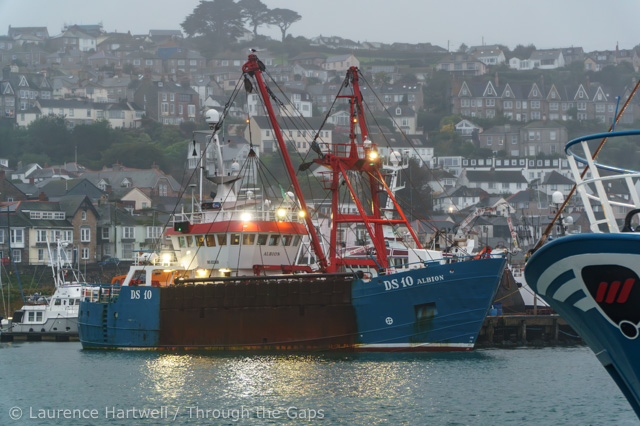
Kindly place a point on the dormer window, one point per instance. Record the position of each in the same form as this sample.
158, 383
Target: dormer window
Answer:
398, 111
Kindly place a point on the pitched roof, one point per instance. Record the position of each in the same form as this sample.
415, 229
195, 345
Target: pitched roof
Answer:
505, 176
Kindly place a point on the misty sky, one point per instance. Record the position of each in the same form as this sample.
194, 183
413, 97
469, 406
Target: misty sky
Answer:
591, 24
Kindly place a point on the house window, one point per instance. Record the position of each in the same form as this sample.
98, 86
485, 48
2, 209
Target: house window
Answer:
85, 253
105, 233
1, 237
128, 232
127, 250
40, 255
84, 215
85, 234
489, 140
41, 236
154, 232
17, 236
17, 256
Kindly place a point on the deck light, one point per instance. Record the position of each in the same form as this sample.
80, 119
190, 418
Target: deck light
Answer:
282, 213
245, 217
302, 213
201, 273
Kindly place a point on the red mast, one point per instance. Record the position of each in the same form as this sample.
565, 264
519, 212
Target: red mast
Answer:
360, 156
255, 67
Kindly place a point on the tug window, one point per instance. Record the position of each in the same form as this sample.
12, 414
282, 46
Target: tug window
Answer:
222, 239
211, 240
296, 240
262, 240
182, 242
286, 240
235, 239
199, 240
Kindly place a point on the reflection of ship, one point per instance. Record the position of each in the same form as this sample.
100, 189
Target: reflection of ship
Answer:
54, 317
592, 280
229, 284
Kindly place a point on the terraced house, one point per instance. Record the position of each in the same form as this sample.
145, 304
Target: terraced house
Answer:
537, 101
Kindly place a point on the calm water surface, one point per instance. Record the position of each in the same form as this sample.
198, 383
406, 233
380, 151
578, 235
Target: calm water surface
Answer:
551, 386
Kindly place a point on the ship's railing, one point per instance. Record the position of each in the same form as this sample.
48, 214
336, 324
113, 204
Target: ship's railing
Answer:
344, 149
245, 215
446, 259
100, 293
603, 198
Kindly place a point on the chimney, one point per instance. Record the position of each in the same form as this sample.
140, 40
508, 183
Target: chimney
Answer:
497, 80
43, 197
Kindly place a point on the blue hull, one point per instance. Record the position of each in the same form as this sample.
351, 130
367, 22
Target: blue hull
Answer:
592, 281
437, 308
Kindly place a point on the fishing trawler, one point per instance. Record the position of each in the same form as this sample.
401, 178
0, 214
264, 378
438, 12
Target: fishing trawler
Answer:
592, 279
54, 317
231, 280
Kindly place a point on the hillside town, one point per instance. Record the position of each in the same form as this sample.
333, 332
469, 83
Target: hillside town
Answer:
86, 74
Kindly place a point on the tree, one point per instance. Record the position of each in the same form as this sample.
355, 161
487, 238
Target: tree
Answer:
283, 19
50, 136
522, 52
255, 13
220, 19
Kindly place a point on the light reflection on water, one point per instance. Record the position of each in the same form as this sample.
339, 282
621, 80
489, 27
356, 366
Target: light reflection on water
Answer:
531, 386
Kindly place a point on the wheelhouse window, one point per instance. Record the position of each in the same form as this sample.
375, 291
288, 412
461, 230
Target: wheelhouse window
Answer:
262, 239
286, 240
211, 240
235, 239
248, 239
222, 239
273, 240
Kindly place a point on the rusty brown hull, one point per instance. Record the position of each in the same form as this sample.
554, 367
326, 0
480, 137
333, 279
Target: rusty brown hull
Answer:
303, 315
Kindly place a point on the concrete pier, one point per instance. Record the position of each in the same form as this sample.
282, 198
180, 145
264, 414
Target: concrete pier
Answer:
526, 330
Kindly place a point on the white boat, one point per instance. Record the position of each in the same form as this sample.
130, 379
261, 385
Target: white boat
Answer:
54, 317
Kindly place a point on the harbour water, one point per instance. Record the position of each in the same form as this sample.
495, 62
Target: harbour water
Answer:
47, 383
